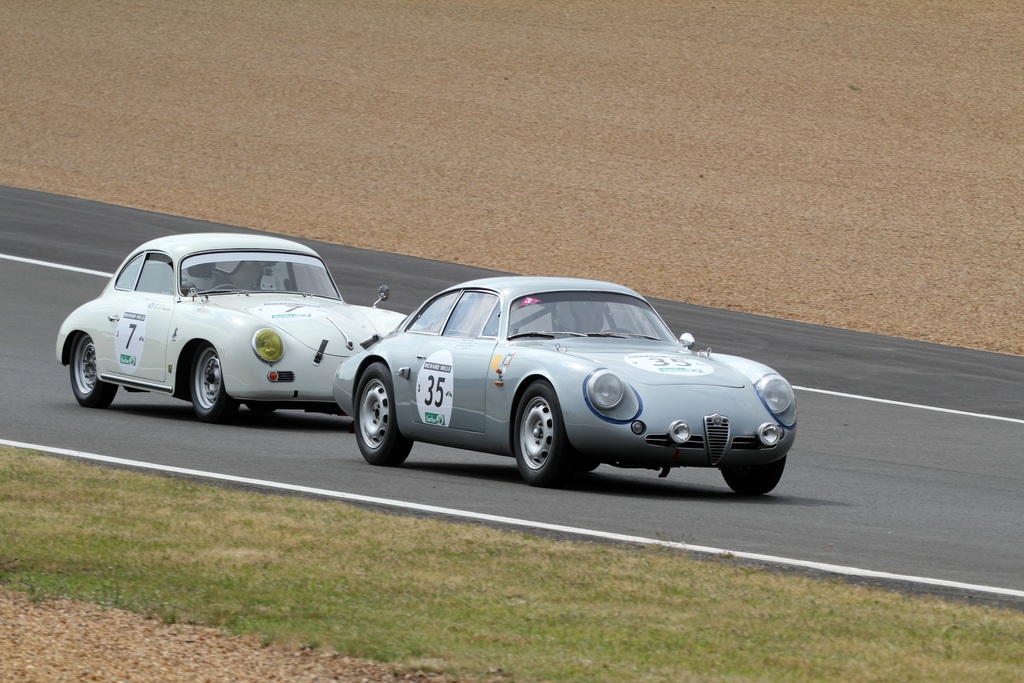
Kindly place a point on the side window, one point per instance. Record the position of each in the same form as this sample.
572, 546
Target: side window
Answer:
431, 318
470, 315
157, 275
130, 273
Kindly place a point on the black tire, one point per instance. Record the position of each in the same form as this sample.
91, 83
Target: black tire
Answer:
89, 390
754, 480
210, 399
543, 453
374, 420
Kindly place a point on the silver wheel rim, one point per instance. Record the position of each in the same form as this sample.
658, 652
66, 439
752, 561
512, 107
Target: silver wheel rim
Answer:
535, 433
85, 365
208, 379
373, 413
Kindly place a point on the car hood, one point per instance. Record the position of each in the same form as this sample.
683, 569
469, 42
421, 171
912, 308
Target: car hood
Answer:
663, 366
311, 321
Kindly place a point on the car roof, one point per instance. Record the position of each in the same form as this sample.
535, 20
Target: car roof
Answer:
177, 246
512, 286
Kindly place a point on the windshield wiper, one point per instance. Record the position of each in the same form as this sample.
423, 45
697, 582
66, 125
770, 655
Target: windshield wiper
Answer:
520, 335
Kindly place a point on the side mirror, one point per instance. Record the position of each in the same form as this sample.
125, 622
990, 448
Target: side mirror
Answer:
687, 340
383, 294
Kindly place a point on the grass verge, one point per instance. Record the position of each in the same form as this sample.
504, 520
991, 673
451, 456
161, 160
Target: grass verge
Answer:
464, 599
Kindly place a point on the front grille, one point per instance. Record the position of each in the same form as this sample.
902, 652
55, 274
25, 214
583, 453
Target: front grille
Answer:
717, 429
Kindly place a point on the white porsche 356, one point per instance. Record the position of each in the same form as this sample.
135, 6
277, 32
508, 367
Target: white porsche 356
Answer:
218, 319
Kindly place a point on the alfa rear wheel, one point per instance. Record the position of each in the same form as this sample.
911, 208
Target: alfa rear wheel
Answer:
375, 421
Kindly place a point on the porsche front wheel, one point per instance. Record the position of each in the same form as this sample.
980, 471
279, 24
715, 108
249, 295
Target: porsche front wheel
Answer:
210, 399
543, 454
755, 480
376, 425
90, 391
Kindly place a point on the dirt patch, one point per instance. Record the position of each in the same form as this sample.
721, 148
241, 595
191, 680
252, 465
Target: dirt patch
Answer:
854, 166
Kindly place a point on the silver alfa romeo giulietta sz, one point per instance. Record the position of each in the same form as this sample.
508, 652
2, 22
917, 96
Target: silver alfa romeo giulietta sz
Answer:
220, 320
565, 375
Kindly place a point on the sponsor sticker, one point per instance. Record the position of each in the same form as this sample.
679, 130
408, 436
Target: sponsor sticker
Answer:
287, 310
501, 362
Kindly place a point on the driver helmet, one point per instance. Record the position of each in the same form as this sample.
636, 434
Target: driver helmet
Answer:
200, 276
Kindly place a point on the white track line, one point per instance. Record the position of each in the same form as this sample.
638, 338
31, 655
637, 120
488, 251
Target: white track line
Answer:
964, 413
59, 266
523, 523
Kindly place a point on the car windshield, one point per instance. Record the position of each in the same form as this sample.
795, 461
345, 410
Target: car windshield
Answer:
585, 314
256, 271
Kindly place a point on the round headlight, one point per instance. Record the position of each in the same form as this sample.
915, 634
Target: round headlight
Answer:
770, 434
605, 389
268, 345
679, 431
777, 393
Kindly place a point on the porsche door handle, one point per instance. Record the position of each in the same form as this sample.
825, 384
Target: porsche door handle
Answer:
113, 318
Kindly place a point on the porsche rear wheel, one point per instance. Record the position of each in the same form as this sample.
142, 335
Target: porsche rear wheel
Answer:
543, 454
376, 425
755, 480
90, 391
210, 399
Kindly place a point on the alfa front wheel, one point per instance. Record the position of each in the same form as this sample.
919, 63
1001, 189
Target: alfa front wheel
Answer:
755, 480
543, 453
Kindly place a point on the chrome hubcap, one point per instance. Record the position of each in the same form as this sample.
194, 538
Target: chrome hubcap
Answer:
373, 413
208, 379
536, 433
85, 365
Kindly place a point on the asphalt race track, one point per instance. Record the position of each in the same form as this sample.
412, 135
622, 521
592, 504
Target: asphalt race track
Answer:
927, 481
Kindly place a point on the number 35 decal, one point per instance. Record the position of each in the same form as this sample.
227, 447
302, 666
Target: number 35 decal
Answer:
669, 364
435, 389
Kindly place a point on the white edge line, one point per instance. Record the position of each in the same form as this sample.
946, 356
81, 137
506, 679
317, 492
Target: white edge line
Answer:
59, 266
807, 389
911, 405
522, 523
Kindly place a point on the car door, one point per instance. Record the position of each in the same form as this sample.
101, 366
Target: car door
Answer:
141, 318
451, 368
